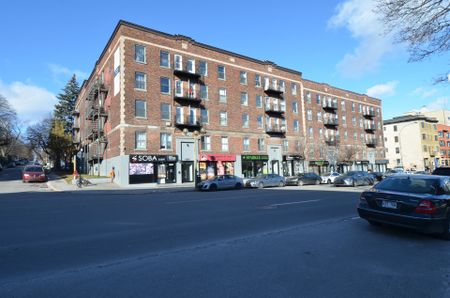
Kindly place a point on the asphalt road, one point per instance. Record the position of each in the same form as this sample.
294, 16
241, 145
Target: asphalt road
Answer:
248, 243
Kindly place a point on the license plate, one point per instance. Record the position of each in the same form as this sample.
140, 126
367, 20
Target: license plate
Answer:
389, 204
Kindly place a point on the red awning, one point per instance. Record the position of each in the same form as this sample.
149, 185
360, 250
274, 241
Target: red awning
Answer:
217, 157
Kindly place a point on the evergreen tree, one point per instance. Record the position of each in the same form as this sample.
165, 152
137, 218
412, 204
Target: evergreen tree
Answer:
66, 105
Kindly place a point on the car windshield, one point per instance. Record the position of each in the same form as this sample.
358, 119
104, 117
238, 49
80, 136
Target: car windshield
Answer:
410, 184
442, 171
33, 169
326, 174
351, 173
259, 177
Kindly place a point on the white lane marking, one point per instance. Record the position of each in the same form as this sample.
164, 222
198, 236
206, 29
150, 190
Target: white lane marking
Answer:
206, 200
292, 203
356, 217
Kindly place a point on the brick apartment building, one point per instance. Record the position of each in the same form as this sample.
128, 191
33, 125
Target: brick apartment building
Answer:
444, 144
159, 106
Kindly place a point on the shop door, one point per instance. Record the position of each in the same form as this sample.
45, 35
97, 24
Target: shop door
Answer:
187, 171
170, 173
275, 167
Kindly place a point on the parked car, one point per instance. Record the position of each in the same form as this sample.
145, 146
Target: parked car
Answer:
354, 178
420, 202
266, 180
1, 167
303, 179
421, 173
391, 172
443, 171
33, 174
329, 177
11, 164
377, 176
221, 182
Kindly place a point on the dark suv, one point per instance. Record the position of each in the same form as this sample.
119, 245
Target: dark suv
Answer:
442, 171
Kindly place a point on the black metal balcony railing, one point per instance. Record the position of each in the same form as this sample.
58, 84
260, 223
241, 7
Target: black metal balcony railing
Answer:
329, 105
369, 113
187, 70
275, 129
273, 89
277, 109
96, 111
187, 121
332, 140
187, 94
76, 113
370, 127
76, 127
371, 143
331, 121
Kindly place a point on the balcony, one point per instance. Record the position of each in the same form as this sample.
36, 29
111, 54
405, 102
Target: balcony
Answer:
331, 122
95, 89
276, 129
368, 114
273, 89
76, 127
76, 113
96, 111
186, 70
330, 105
332, 140
370, 127
275, 109
187, 95
187, 121
371, 143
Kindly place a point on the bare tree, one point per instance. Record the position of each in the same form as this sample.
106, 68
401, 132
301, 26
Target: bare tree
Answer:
9, 128
424, 25
348, 154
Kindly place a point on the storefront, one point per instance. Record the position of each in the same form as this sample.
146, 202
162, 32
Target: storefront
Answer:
318, 166
146, 168
211, 165
253, 165
381, 165
361, 165
343, 167
292, 165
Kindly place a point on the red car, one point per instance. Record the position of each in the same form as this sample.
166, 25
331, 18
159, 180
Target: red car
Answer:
33, 173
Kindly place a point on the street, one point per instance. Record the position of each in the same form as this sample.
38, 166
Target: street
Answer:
280, 242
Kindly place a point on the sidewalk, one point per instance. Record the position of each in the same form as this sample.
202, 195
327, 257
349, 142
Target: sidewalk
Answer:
56, 183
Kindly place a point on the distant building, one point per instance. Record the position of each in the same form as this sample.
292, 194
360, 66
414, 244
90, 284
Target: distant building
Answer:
444, 144
442, 116
411, 142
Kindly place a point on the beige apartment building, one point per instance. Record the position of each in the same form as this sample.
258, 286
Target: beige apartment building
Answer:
412, 142
165, 108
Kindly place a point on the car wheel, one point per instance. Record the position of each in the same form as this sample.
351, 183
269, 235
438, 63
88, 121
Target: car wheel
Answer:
261, 185
281, 184
329, 181
317, 182
446, 234
353, 183
238, 186
300, 183
213, 187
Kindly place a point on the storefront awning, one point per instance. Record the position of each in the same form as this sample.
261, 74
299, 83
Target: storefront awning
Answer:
381, 162
217, 157
319, 163
255, 157
292, 157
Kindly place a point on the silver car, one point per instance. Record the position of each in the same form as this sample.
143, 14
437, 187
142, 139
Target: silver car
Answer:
262, 181
221, 182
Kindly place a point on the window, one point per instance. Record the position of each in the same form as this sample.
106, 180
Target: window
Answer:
344, 120
221, 72
345, 135
178, 62
223, 119
244, 98
258, 101
294, 89
422, 124
434, 127
191, 65
395, 127
441, 134
246, 144
203, 92
203, 68
245, 120
448, 144
354, 121
285, 145
309, 115
204, 116
308, 97
396, 139
319, 116
139, 53
243, 77
397, 150
165, 111
425, 148
355, 136
140, 107
297, 146
296, 125
261, 145
222, 95
282, 85
343, 105
140, 81
224, 142
318, 99
165, 141
140, 140
424, 137
165, 85
361, 123
353, 106
259, 120
310, 132
320, 133
164, 59
360, 108
206, 143
257, 80
295, 107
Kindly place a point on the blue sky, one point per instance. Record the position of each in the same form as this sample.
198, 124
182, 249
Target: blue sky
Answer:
333, 41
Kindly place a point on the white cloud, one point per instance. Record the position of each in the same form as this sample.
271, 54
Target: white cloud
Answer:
62, 71
32, 103
424, 92
439, 104
385, 89
358, 17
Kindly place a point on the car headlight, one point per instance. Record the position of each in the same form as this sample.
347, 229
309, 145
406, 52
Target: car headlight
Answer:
348, 180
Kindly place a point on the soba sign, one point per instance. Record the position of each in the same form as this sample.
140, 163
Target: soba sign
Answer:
147, 158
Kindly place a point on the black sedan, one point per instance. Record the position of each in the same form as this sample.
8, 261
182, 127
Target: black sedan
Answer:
303, 179
420, 202
354, 178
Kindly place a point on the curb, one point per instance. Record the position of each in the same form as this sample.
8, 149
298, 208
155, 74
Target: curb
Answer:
52, 187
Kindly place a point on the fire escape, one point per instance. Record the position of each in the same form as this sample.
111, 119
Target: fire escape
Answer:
96, 115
